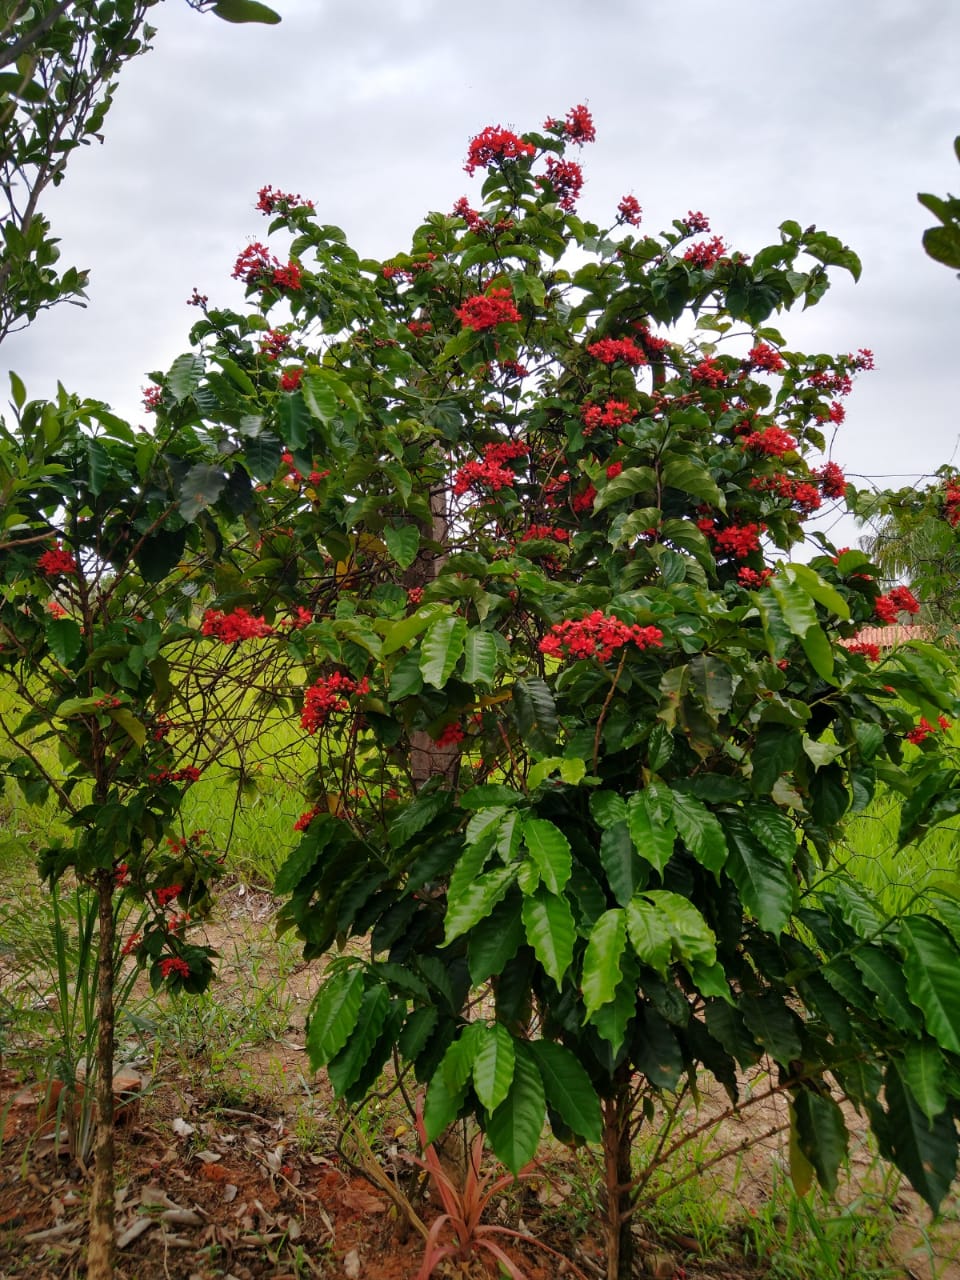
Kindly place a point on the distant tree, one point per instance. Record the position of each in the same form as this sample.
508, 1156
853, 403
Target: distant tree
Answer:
59, 64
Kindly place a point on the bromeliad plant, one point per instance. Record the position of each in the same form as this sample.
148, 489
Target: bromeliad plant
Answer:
586, 735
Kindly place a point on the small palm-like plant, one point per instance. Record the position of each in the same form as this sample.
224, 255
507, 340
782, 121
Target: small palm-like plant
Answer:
464, 1207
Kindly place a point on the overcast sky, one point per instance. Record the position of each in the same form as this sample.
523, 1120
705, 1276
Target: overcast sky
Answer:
834, 112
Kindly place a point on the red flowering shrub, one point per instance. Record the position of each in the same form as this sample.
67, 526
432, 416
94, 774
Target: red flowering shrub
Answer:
615, 413
832, 480
708, 372
765, 357
706, 253
578, 126
865, 648
492, 471
771, 440
450, 736
738, 540
630, 211
271, 201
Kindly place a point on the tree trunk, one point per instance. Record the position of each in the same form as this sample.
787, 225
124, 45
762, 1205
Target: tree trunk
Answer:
618, 1175
101, 1239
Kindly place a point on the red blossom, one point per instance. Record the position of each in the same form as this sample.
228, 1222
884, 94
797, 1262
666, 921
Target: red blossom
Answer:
614, 470
753, 578
578, 127
584, 501
415, 596
630, 210
233, 627
290, 379
615, 413
739, 540
923, 730
494, 145
190, 774
174, 964
131, 944
709, 372
765, 357
900, 600
306, 818
273, 343
566, 179
288, 277
866, 649
152, 398
597, 636
771, 440
545, 531
863, 359
696, 221
269, 201
327, 695
197, 299
512, 369
55, 609
492, 472
487, 310
167, 894
609, 350
706, 253
904, 599
951, 502
56, 562
419, 328
832, 480
450, 736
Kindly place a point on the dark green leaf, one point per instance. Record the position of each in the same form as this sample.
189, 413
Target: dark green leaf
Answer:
515, 1127
569, 1091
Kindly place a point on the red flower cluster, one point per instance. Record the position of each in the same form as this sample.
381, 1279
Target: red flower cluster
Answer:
420, 328
833, 482
765, 357
327, 695
833, 383
190, 774
168, 894
545, 531
290, 379
753, 578
273, 343
492, 471
495, 144
256, 265
710, 372
771, 440
615, 413
866, 649
834, 413
487, 310
152, 397
925, 728
608, 350
269, 201
614, 470
56, 562
306, 818
706, 253
951, 502
696, 222
803, 495
233, 627
630, 211
197, 299
597, 636
584, 501
738, 540
303, 616
450, 736
578, 126
900, 600
863, 359
566, 178
174, 964
55, 609
512, 369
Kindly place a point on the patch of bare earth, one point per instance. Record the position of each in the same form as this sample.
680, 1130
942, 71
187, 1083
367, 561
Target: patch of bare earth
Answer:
241, 1173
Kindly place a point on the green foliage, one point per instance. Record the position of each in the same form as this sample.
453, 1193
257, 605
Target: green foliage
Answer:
943, 243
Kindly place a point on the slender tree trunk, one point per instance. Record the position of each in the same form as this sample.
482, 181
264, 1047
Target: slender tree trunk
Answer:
617, 1176
101, 1240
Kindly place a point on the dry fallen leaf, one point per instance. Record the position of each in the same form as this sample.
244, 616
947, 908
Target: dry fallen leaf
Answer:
351, 1265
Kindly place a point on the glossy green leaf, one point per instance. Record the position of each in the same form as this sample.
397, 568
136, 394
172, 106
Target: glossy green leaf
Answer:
493, 1065
514, 1128
403, 543
550, 850
64, 638
624, 870
480, 657
821, 1134
569, 1090
653, 839
245, 11
550, 930
478, 900
700, 831
925, 1150
345, 1069
442, 649
931, 962
333, 1015
651, 938
764, 880
601, 960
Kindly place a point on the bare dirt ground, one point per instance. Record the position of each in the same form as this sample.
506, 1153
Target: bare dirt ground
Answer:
242, 1172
